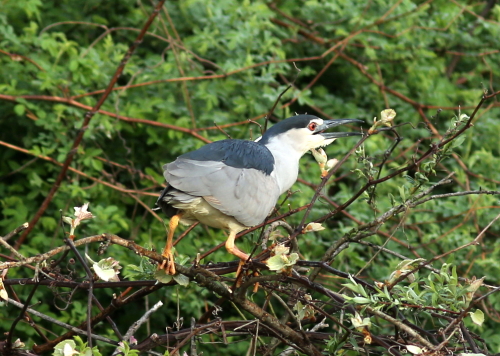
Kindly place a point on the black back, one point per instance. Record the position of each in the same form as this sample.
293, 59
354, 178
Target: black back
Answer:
235, 153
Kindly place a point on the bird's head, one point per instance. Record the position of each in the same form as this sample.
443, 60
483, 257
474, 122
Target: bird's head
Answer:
305, 132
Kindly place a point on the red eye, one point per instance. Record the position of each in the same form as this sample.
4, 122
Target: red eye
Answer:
312, 126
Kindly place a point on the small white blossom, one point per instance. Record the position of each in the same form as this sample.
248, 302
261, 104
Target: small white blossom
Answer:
281, 261
331, 163
304, 310
312, 227
360, 323
106, 269
281, 249
4, 297
81, 213
475, 284
325, 164
68, 350
415, 350
18, 344
477, 317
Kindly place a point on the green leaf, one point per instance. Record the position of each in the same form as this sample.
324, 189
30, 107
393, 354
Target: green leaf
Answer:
97, 165
162, 277
402, 193
477, 317
61, 348
458, 141
181, 279
19, 109
275, 263
361, 300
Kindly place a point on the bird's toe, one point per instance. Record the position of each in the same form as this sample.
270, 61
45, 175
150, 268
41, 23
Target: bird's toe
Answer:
168, 264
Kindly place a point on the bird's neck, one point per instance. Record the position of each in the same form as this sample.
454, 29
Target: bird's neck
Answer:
286, 164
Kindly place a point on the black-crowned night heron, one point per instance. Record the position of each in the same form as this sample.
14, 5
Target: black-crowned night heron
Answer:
235, 184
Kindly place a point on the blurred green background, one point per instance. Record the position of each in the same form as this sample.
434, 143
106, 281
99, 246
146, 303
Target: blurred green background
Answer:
207, 63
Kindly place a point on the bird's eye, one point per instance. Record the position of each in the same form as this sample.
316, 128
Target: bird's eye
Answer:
312, 126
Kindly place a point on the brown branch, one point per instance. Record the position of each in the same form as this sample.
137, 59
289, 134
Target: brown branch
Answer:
18, 57
88, 116
117, 303
16, 231
59, 323
72, 102
268, 221
205, 279
206, 77
97, 180
433, 149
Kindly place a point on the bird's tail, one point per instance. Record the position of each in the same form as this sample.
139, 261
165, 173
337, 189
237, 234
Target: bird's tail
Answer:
162, 203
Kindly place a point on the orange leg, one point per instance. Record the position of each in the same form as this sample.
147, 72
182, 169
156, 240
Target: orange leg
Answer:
233, 250
168, 265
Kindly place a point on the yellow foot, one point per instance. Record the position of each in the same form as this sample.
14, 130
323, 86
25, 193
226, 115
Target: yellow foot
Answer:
168, 265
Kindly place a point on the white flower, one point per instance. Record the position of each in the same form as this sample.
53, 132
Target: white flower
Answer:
18, 344
81, 213
360, 323
471, 289
477, 317
281, 249
68, 350
415, 350
312, 227
304, 310
4, 297
106, 269
330, 164
281, 261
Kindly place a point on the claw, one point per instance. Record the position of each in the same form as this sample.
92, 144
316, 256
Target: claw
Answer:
168, 264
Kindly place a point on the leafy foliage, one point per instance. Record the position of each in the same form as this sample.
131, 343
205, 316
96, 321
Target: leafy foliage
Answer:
207, 68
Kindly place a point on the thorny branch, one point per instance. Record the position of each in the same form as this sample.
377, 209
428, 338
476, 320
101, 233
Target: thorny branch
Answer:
320, 304
214, 278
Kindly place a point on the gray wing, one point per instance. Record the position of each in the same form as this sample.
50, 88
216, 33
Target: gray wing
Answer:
247, 194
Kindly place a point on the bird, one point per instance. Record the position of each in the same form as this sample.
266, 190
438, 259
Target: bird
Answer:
235, 184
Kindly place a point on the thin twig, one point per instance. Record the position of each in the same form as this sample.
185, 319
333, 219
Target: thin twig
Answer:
11, 249
60, 323
16, 231
8, 345
137, 324
90, 278
88, 116
270, 114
